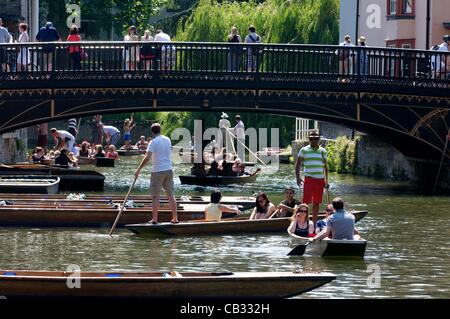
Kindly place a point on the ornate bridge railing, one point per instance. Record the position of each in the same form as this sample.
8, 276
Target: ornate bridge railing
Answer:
243, 66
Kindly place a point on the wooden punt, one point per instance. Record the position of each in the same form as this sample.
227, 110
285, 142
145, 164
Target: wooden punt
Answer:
17, 283
218, 180
333, 247
228, 226
29, 184
70, 179
83, 160
130, 152
243, 202
94, 216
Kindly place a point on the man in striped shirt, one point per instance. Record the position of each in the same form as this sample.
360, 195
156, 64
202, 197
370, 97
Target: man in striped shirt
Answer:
314, 159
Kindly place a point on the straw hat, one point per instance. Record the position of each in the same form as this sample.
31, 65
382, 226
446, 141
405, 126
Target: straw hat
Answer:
224, 115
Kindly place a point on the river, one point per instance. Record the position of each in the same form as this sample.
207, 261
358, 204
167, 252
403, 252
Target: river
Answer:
408, 240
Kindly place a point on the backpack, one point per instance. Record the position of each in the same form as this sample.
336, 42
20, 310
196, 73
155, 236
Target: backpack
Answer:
435, 47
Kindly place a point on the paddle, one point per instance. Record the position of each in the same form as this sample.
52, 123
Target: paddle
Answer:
299, 250
122, 207
325, 174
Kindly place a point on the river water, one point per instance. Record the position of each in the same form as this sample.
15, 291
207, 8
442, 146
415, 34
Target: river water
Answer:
408, 240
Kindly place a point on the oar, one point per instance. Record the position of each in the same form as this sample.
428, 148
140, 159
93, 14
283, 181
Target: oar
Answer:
299, 250
122, 207
325, 174
247, 148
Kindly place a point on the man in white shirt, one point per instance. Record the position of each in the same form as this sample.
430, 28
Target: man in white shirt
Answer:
160, 152
440, 63
67, 140
239, 131
167, 51
345, 56
224, 138
112, 134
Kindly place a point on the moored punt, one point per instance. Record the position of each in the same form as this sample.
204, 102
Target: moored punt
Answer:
15, 283
82, 216
83, 160
70, 179
244, 202
332, 247
227, 226
29, 184
130, 152
218, 180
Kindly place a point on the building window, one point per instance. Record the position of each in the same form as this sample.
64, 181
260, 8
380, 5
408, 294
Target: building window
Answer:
392, 7
407, 7
400, 9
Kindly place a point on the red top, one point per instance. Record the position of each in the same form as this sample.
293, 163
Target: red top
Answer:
74, 38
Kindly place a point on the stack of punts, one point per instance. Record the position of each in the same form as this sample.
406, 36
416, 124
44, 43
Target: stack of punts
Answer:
16, 283
330, 247
243, 202
228, 226
218, 180
29, 184
70, 178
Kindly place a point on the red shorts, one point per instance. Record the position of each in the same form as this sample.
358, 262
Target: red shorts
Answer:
313, 190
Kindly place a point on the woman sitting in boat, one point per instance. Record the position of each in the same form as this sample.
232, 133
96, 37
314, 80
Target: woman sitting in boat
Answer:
142, 144
112, 153
214, 210
38, 155
100, 152
301, 225
264, 208
238, 168
84, 151
214, 169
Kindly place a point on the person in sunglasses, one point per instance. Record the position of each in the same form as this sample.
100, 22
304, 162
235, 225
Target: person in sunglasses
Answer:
313, 158
264, 208
322, 223
301, 225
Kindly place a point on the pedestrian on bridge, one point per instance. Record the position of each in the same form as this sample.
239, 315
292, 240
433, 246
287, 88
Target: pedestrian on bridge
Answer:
345, 56
132, 51
314, 160
234, 56
47, 34
252, 37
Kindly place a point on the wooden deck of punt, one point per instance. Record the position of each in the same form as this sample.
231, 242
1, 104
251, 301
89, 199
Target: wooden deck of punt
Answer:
229, 226
70, 179
54, 216
218, 180
82, 160
15, 283
130, 152
333, 247
244, 202
29, 184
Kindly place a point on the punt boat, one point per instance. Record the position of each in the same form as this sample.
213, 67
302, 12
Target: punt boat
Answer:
241, 225
333, 247
16, 283
91, 215
70, 178
218, 180
29, 184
